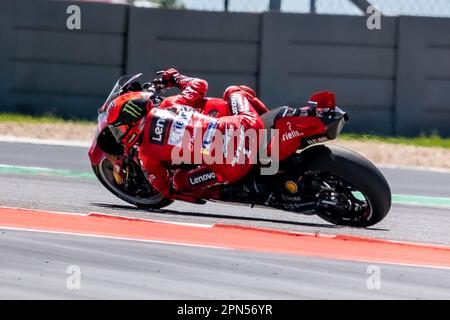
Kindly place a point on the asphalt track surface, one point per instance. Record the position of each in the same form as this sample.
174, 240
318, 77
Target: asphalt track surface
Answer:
120, 269
129, 269
404, 222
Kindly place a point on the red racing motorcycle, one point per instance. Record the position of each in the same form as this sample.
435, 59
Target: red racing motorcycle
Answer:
339, 185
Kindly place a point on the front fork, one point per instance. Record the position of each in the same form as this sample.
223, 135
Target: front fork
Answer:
122, 165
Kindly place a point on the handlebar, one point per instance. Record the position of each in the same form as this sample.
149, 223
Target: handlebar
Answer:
154, 88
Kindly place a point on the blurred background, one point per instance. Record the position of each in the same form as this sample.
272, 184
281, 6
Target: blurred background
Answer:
392, 81
432, 8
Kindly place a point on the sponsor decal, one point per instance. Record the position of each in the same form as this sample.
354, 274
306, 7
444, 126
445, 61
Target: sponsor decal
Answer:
291, 198
229, 132
189, 93
133, 109
209, 134
291, 186
238, 104
150, 177
179, 126
201, 178
291, 135
132, 138
158, 127
240, 146
197, 127
316, 140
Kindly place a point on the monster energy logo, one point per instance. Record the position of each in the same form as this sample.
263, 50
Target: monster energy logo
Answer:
133, 109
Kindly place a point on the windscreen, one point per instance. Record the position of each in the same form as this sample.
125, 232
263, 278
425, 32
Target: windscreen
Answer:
120, 84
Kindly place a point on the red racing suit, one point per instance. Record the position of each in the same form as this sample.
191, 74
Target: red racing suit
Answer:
179, 128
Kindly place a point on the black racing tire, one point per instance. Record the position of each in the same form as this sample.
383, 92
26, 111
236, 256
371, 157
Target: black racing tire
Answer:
157, 202
354, 169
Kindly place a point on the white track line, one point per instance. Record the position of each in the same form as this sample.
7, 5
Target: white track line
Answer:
415, 168
397, 264
213, 247
199, 225
48, 142
46, 211
115, 237
188, 224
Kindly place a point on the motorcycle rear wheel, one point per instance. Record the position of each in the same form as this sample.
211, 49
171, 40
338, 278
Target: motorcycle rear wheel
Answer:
355, 180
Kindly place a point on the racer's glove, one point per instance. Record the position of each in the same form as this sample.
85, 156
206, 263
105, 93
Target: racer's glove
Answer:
169, 77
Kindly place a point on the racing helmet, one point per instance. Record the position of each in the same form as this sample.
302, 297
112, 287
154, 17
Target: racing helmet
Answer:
126, 117
241, 88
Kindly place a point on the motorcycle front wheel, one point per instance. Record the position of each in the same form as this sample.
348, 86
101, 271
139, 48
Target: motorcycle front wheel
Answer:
139, 193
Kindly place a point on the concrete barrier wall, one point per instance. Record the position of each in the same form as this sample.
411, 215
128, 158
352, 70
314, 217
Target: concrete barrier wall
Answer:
305, 53
53, 69
222, 48
6, 49
423, 76
391, 81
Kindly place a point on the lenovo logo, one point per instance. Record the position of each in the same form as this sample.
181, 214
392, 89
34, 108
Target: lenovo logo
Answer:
158, 128
201, 178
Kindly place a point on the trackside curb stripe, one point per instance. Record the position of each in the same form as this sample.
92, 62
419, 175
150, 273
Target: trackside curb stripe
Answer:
233, 237
421, 200
4, 168
439, 202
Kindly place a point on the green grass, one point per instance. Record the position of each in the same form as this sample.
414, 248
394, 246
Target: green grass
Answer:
433, 140
22, 118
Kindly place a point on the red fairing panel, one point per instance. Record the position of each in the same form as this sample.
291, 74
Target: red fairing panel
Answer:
324, 99
95, 153
293, 129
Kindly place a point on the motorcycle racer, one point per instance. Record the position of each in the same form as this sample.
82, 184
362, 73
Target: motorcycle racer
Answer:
177, 120
294, 171
193, 91
156, 155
